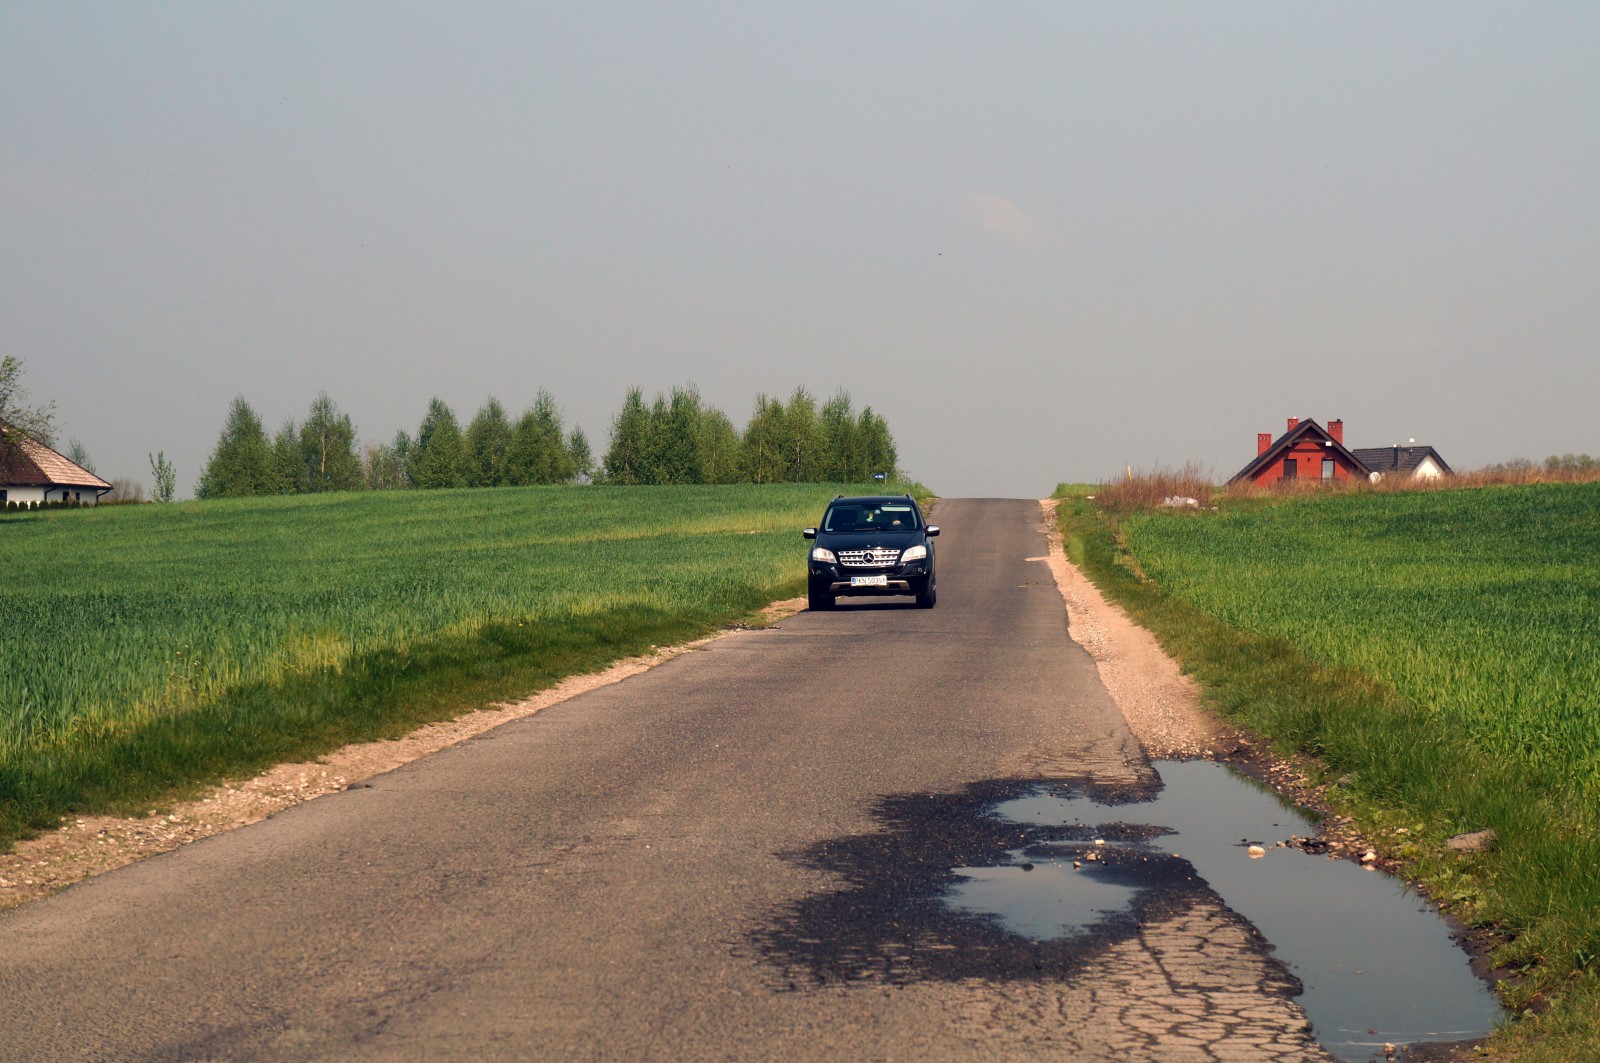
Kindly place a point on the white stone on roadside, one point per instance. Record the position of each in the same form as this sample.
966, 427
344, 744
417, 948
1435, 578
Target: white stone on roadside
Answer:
1257, 851
1369, 857
1099, 841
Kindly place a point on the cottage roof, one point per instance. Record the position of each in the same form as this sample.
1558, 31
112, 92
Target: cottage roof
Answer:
29, 463
1287, 441
1399, 458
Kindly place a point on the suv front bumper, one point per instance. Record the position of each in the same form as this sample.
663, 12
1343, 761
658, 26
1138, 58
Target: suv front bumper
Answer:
900, 579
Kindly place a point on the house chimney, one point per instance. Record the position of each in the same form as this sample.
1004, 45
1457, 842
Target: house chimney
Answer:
1294, 422
1263, 443
1336, 430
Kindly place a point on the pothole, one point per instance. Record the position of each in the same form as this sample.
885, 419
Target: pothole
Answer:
1009, 881
1376, 964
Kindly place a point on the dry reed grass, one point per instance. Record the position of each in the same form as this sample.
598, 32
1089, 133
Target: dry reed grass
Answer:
1141, 489
1491, 476
1148, 490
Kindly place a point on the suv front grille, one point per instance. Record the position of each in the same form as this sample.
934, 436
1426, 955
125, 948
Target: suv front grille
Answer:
877, 557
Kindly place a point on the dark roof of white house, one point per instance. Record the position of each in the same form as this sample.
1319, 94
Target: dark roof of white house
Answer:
1399, 458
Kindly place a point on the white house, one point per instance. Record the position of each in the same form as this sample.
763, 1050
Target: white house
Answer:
31, 472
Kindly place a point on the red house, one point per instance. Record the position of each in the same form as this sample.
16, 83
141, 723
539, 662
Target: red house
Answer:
1307, 451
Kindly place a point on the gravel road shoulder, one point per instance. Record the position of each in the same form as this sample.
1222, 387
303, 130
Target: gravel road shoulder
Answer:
1162, 705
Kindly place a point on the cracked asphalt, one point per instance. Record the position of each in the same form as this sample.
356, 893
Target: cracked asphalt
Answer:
736, 855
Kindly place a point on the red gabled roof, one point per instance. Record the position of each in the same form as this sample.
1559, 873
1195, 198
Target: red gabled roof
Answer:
1286, 443
28, 463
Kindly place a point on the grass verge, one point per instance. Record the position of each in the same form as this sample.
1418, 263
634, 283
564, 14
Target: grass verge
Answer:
1408, 772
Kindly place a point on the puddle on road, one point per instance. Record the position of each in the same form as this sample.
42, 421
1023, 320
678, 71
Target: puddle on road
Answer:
1376, 963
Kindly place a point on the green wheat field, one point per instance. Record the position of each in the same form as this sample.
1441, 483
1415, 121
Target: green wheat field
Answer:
146, 647
1439, 652
1482, 606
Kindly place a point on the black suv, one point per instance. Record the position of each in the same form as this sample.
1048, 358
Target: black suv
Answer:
872, 544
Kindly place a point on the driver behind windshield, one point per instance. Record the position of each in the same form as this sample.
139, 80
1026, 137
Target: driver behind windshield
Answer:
850, 519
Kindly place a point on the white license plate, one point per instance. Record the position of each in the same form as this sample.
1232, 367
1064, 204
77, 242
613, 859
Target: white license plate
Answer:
869, 581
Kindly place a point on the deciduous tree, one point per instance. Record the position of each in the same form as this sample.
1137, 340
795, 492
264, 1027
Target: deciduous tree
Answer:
804, 444
18, 419
242, 464
78, 454
327, 448
488, 436
385, 464
538, 451
842, 431
877, 445
165, 476
677, 457
720, 450
582, 456
289, 471
763, 442
439, 458
630, 438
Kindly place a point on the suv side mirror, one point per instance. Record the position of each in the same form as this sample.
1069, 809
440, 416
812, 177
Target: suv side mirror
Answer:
809, 533
933, 529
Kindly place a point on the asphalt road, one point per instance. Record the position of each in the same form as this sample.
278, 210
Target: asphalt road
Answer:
737, 855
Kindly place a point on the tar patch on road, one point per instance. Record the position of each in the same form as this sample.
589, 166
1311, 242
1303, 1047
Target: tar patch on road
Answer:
893, 920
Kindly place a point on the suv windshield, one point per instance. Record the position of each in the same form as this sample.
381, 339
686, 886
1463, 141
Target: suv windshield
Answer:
870, 517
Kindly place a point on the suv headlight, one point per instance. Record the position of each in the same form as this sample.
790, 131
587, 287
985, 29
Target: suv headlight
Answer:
822, 553
915, 553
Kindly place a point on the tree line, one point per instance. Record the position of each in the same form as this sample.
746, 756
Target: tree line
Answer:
322, 453
679, 439
675, 439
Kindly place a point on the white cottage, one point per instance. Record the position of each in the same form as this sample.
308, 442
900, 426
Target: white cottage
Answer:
31, 472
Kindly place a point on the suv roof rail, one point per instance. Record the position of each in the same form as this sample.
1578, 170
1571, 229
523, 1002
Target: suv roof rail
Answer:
837, 497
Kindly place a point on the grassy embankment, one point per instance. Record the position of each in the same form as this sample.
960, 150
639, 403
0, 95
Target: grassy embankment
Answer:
151, 648
1439, 654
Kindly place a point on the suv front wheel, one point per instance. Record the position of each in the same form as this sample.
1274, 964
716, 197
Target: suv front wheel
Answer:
817, 598
929, 594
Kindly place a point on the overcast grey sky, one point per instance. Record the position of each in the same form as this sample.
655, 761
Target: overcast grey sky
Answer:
1045, 240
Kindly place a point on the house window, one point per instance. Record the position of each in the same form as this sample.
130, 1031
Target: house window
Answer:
1327, 468
1291, 468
